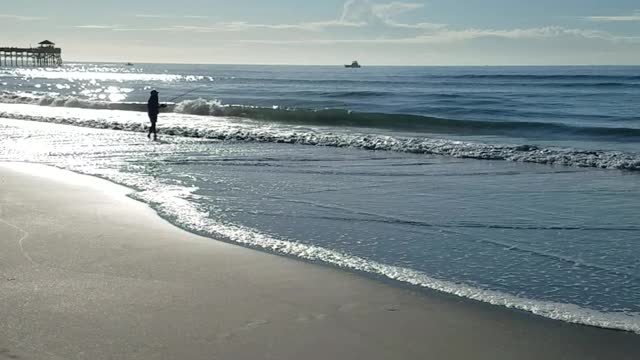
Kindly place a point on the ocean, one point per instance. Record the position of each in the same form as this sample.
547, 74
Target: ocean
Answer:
515, 186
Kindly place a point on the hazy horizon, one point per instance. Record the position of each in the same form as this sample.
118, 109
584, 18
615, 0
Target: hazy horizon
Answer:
334, 32
73, 61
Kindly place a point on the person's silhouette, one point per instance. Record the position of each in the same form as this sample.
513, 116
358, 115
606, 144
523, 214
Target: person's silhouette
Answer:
153, 109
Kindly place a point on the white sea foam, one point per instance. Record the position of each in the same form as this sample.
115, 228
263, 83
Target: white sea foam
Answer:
192, 107
173, 202
98, 74
55, 100
177, 204
225, 128
199, 107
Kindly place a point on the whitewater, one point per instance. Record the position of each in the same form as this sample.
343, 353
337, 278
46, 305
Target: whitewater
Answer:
513, 186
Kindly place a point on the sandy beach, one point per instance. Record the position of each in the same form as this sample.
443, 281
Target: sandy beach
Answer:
88, 273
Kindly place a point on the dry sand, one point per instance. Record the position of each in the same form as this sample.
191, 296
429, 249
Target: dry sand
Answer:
87, 273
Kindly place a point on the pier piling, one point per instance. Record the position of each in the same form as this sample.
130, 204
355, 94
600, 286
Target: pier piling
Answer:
45, 55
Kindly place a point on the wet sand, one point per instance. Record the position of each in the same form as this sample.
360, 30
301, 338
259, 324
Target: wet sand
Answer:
87, 273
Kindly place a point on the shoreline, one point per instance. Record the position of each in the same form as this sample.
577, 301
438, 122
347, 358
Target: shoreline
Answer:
398, 277
413, 280
121, 280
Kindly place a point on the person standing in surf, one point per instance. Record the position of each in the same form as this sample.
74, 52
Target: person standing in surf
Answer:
153, 109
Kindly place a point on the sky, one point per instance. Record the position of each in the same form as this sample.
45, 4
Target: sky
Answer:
381, 32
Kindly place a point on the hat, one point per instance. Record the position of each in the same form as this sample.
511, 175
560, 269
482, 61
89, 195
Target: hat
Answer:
154, 92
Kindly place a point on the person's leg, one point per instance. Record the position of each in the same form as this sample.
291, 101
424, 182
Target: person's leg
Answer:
155, 135
153, 118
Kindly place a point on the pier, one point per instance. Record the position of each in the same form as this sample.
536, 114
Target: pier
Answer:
46, 54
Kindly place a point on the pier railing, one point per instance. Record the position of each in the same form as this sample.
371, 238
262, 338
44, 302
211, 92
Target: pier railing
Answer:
39, 57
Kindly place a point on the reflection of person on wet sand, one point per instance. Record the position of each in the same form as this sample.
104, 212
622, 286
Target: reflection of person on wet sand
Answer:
153, 109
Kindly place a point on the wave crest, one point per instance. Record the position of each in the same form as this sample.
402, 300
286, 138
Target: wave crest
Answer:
418, 145
346, 118
199, 107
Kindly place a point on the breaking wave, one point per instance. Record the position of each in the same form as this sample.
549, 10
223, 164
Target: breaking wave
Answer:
223, 129
345, 118
406, 122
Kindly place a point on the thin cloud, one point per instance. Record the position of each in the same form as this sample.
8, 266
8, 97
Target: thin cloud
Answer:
546, 32
418, 26
355, 14
450, 36
383, 14
239, 26
125, 29
97, 27
20, 17
382, 22
152, 16
319, 25
634, 17
434, 35
394, 9
163, 16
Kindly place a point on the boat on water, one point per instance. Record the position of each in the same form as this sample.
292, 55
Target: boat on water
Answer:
353, 65
129, 64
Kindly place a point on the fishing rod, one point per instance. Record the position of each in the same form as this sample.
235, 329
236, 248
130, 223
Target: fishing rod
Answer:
185, 94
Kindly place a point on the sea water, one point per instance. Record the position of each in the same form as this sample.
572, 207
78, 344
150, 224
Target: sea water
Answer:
515, 186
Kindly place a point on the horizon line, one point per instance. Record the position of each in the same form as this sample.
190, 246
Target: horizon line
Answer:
342, 64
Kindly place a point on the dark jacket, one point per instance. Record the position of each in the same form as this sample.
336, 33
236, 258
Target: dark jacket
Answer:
153, 105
